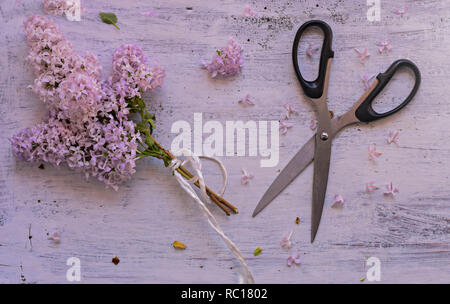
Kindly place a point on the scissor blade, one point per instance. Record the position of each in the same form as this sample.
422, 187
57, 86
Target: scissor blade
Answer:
320, 180
295, 166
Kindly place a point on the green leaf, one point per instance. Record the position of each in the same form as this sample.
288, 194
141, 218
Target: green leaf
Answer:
257, 251
109, 18
363, 279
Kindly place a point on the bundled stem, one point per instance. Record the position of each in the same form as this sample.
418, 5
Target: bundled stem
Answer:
151, 147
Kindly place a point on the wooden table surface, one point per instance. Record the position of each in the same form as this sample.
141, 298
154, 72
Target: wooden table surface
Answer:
409, 233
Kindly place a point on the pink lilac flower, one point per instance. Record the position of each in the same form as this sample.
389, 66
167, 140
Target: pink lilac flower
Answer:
391, 190
366, 78
363, 55
227, 61
57, 7
246, 177
286, 241
289, 111
284, 126
149, 13
338, 201
87, 127
385, 46
401, 11
373, 153
311, 51
313, 124
371, 187
246, 101
293, 259
393, 137
248, 12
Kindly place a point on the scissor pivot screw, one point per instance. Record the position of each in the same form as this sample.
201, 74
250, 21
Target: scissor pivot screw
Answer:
324, 136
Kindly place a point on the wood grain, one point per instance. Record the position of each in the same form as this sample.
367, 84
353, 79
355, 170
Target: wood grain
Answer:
408, 233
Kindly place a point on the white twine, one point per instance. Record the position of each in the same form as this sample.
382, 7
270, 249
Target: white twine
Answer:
186, 186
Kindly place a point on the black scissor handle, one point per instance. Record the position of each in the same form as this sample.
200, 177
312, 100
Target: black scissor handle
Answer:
314, 89
366, 113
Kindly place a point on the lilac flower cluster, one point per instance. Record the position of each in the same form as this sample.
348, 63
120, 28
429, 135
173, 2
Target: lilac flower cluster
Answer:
88, 126
227, 61
57, 7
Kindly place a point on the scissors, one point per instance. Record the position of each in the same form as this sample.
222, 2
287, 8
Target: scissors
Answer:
318, 148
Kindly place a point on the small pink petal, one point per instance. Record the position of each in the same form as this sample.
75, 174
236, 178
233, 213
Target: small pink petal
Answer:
373, 153
310, 50
366, 78
393, 137
363, 55
286, 241
289, 111
284, 126
246, 101
149, 13
248, 12
246, 176
385, 45
293, 259
55, 237
391, 190
338, 201
370, 187
401, 11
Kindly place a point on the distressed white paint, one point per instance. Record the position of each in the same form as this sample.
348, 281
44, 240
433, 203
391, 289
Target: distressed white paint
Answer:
409, 234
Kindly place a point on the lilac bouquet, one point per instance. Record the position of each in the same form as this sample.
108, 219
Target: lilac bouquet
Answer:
88, 126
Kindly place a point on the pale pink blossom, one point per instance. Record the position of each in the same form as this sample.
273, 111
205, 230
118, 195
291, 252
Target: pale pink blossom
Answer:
313, 124
57, 7
227, 61
393, 137
290, 111
401, 11
55, 237
391, 190
373, 153
246, 176
338, 201
371, 187
246, 101
286, 241
284, 126
248, 12
366, 80
363, 55
293, 259
311, 50
385, 45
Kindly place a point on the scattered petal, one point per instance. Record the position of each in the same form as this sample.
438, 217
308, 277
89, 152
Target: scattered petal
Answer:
246, 101
338, 201
363, 55
313, 124
257, 251
289, 111
393, 137
115, 260
284, 126
366, 78
286, 241
179, 245
248, 12
310, 50
293, 259
55, 237
373, 153
371, 187
246, 177
385, 45
391, 190
401, 11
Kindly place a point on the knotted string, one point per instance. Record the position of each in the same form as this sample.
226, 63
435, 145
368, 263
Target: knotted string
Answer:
186, 186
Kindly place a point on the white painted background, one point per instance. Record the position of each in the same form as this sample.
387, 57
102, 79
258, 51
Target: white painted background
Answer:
409, 234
